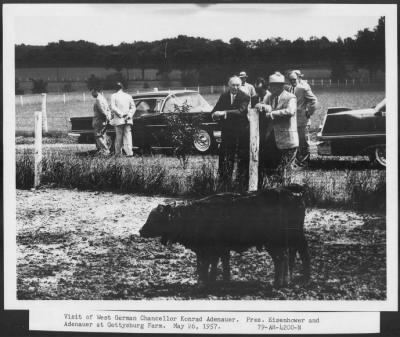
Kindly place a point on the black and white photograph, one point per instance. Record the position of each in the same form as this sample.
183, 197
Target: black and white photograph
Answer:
218, 156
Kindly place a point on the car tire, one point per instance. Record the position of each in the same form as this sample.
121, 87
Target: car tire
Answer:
379, 155
203, 141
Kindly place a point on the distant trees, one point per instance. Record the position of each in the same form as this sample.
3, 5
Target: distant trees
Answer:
366, 49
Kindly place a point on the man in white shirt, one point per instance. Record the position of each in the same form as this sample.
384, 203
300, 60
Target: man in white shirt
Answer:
101, 117
122, 109
247, 88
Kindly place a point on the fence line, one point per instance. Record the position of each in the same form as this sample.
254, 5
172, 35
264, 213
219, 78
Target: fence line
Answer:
66, 97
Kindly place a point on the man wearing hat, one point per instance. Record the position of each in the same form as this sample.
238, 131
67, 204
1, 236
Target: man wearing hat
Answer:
101, 117
279, 106
231, 113
247, 88
122, 109
306, 106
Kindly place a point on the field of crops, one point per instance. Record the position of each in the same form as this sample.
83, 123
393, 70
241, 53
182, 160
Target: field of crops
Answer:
58, 113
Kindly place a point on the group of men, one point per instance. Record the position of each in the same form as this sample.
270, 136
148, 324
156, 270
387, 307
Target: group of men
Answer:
284, 119
119, 114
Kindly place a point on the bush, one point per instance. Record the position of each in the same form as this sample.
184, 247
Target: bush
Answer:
181, 132
67, 87
39, 86
18, 90
94, 82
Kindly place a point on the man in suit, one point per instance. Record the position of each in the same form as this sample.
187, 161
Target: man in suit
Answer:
306, 106
231, 113
280, 109
101, 117
122, 108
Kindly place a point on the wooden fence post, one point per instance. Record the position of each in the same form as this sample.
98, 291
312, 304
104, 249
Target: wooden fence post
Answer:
84, 97
21, 99
254, 149
198, 89
44, 114
64, 98
38, 148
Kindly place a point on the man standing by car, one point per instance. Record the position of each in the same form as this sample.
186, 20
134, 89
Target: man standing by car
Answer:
247, 88
122, 109
280, 109
101, 117
231, 112
306, 106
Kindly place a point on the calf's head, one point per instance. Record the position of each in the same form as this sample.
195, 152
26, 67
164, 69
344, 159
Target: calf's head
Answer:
157, 222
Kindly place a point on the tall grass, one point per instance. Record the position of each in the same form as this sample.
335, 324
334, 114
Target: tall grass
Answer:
356, 189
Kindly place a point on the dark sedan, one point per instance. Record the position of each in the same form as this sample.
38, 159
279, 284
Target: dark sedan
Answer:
150, 120
347, 132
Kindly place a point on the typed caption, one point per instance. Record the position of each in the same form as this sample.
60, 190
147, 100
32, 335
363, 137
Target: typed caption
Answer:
206, 322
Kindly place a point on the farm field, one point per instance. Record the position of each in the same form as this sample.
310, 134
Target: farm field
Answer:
58, 113
85, 245
77, 235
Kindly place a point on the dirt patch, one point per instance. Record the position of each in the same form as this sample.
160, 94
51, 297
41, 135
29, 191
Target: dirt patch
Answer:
85, 245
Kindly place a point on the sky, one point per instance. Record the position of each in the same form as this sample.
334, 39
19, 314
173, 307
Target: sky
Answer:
114, 24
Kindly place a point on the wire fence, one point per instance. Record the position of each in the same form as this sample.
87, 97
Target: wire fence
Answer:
83, 96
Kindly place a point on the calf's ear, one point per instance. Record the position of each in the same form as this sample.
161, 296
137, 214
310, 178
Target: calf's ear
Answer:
160, 208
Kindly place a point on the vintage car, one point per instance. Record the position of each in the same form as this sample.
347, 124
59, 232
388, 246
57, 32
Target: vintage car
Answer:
150, 122
347, 132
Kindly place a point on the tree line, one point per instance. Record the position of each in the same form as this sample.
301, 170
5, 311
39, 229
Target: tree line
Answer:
365, 50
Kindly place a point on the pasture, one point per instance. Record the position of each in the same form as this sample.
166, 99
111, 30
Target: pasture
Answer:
85, 246
58, 113
77, 235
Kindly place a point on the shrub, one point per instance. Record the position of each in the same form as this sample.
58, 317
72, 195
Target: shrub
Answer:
39, 86
67, 87
181, 132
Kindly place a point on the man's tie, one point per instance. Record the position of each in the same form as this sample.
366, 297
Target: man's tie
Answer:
275, 102
292, 88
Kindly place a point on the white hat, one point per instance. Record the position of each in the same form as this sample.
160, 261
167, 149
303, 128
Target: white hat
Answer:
298, 73
243, 74
277, 78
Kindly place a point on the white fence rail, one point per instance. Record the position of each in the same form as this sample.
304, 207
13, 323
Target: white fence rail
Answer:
66, 97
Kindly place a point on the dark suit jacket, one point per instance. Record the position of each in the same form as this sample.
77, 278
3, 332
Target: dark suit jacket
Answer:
236, 112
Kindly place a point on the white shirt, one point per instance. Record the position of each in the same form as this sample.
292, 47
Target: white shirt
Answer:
232, 98
248, 89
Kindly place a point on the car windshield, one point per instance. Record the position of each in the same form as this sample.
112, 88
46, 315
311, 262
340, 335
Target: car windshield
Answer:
381, 106
194, 101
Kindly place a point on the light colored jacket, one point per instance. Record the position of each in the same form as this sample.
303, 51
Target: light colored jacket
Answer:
306, 103
284, 120
248, 89
101, 111
122, 104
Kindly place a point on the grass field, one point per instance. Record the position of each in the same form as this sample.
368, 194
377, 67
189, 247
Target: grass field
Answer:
58, 113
